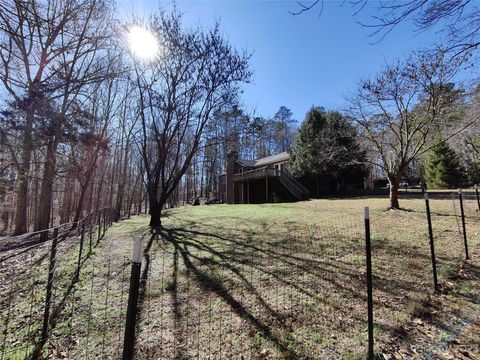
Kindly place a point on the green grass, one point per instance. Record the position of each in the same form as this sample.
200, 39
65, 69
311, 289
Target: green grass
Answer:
305, 262
273, 281
465, 288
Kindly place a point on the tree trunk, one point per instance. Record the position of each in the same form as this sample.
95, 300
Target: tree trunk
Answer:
5, 220
394, 183
21, 208
91, 189
140, 198
202, 172
45, 204
131, 196
35, 189
66, 201
83, 190
155, 213
122, 182
24, 169
99, 201
185, 195
113, 169
81, 200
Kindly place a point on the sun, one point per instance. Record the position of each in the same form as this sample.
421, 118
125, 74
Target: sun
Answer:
142, 43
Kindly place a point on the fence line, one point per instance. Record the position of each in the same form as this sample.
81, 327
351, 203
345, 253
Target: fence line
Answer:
43, 269
202, 294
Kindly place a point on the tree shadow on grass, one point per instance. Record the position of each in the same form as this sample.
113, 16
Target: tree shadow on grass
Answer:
307, 260
209, 283
313, 262
236, 252
314, 275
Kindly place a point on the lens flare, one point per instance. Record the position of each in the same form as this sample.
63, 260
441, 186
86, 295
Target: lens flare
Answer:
142, 43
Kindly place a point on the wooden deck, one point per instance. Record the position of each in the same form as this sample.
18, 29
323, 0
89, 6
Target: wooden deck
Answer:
261, 173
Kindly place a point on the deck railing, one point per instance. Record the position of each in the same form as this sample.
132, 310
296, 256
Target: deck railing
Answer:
256, 174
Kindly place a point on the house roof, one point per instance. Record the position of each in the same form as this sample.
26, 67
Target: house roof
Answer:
283, 156
249, 163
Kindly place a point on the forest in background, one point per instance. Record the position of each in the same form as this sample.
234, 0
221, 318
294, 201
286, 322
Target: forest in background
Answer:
71, 130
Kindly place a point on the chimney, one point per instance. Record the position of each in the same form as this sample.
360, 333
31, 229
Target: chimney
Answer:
232, 156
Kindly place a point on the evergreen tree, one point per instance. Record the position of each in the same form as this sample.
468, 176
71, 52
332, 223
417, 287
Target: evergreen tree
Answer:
327, 144
443, 168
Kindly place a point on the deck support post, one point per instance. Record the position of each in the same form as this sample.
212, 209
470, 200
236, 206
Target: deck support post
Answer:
243, 193
266, 186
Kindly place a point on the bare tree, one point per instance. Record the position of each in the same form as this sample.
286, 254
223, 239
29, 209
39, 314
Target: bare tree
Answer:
467, 144
49, 50
127, 126
85, 60
25, 61
198, 73
103, 106
400, 112
459, 20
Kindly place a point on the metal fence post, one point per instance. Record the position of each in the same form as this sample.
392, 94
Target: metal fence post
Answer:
462, 212
478, 198
369, 283
104, 213
80, 252
90, 234
48, 295
129, 337
432, 247
99, 226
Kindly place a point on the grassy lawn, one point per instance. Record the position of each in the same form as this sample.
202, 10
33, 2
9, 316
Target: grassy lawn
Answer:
281, 281
287, 281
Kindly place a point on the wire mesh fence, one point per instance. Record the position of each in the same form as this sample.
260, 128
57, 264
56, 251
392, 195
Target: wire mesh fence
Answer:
40, 272
95, 319
451, 239
256, 288
275, 296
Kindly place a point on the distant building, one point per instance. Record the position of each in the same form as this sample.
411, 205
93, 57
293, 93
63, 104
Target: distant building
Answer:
377, 177
259, 181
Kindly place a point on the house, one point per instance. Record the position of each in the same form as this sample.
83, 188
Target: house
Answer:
259, 181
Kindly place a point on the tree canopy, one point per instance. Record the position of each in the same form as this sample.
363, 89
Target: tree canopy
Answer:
326, 143
443, 168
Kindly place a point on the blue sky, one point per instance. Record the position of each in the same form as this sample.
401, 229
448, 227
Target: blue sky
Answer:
298, 61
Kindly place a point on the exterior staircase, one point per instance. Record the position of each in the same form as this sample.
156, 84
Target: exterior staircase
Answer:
293, 185
299, 191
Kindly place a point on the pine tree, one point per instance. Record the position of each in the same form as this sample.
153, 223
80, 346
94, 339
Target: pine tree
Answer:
443, 168
327, 144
